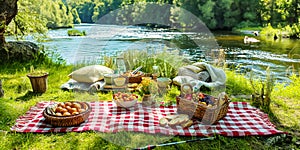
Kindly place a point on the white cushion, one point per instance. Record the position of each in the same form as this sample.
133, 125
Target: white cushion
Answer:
90, 74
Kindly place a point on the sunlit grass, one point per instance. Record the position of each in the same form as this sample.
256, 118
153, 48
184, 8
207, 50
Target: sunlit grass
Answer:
286, 103
237, 84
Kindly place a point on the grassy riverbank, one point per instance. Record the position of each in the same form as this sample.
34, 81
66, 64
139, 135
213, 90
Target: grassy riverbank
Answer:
19, 98
289, 31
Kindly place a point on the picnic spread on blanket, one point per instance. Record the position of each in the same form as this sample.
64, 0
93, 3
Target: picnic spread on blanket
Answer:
241, 120
194, 114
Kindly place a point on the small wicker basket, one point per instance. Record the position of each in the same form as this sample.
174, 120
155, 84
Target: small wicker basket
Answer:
66, 121
207, 115
135, 79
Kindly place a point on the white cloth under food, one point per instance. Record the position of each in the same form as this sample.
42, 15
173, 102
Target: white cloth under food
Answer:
82, 86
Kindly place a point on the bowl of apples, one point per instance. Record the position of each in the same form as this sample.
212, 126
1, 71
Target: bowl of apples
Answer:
125, 100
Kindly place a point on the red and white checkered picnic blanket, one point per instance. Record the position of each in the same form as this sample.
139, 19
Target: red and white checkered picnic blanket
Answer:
241, 120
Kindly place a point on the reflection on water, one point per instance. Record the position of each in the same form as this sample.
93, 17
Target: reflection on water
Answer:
282, 55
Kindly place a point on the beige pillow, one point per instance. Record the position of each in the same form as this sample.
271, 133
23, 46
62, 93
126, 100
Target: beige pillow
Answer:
90, 74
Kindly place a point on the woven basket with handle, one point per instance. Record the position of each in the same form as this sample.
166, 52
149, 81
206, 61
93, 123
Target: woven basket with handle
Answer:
66, 121
207, 115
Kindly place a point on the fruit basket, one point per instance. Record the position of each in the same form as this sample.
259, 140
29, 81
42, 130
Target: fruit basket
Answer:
65, 114
125, 100
208, 109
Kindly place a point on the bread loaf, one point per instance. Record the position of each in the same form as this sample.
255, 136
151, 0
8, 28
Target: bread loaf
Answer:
187, 124
182, 120
175, 121
170, 117
163, 122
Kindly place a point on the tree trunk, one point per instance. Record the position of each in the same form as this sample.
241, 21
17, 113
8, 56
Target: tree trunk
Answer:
295, 19
8, 10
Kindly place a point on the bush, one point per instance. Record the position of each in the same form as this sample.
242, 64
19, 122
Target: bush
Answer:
289, 31
75, 32
168, 66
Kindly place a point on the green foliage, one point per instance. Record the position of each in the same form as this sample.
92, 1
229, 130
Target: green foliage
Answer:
36, 16
291, 31
27, 21
269, 31
291, 91
57, 14
237, 84
36, 72
90, 11
167, 62
109, 62
262, 90
170, 97
76, 18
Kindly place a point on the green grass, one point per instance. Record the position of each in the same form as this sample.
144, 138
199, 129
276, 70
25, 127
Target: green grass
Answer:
19, 98
286, 104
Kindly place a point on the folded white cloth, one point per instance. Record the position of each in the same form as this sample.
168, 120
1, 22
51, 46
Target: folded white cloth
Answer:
218, 77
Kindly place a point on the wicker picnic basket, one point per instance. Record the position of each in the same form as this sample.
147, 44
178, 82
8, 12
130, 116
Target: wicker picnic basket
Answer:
200, 111
66, 121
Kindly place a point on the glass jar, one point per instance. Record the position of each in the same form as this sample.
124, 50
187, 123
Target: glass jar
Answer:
155, 73
121, 67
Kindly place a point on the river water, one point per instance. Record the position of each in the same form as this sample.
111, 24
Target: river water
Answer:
281, 55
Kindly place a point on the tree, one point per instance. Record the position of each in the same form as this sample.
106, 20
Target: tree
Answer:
207, 13
8, 10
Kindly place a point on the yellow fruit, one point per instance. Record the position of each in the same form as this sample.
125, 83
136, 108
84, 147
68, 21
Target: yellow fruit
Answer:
203, 103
